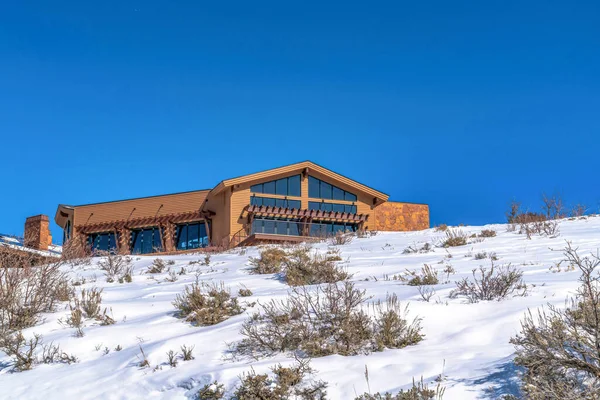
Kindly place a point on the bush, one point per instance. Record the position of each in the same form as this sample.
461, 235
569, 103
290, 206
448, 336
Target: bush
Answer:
455, 237
305, 268
330, 320
426, 248
340, 238
441, 228
287, 383
497, 283
212, 391
245, 292
558, 348
270, 261
206, 304
23, 352
419, 391
428, 276
157, 267
487, 233
27, 292
115, 266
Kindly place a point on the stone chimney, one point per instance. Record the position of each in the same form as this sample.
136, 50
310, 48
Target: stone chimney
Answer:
37, 232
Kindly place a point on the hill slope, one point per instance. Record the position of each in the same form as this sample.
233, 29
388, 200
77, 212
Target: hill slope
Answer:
468, 343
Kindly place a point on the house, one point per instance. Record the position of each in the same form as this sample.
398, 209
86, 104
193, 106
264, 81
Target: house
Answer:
288, 203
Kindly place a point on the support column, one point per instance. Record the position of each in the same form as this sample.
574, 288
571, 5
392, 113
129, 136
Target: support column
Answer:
169, 236
124, 241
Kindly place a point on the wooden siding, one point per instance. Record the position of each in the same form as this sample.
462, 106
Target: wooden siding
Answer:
138, 208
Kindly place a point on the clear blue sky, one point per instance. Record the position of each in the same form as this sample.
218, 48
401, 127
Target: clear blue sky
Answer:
462, 105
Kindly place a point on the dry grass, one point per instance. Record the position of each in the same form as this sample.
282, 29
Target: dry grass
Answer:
495, 283
270, 261
454, 238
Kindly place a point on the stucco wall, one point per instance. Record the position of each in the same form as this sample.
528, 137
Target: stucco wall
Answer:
394, 216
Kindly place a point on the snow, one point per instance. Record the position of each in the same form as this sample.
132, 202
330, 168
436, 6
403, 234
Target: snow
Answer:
467, 343
14, 242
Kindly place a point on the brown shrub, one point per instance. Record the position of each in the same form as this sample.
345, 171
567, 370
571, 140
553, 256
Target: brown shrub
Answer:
455, 237
487, 233
340, 238
206, 304
427, 276
330, 320
418, 391
496, 283
286, 383
27, 292
115, 266
558, 348
441, 228
157, 266
270, 261
302, 267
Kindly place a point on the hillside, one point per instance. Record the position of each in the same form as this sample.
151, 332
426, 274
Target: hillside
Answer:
467, 343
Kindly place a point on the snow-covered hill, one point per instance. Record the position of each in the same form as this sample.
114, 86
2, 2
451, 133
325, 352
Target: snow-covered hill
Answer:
17, 244
467, 343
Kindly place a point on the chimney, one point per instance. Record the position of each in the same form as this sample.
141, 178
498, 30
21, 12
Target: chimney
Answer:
37, 232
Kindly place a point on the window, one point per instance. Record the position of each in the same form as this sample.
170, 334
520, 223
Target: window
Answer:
276, 226
322, 190
329, 228
191, 236
105, 241
67, 231
289, 186
337, 207
146, 240
269, 201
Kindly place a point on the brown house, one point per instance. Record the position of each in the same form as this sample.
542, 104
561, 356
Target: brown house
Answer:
289, 203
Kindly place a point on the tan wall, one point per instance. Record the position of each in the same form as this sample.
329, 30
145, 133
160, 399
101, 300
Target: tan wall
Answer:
138, 208
394, 216
37, 232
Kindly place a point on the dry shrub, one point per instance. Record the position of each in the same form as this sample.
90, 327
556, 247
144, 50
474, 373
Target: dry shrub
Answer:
330, 320
115, 266
206, 304
427, 276
578, 210
340, 238
212, 391
157, 267
455, 237
391, 328
441, 228
413, 249
303, 267
187, 353
270, 261
553, 207
542, 228
23, 351
487, 233
27, 292
495, 283
558, 347
286, 383
245, 292
75, 251
418, 391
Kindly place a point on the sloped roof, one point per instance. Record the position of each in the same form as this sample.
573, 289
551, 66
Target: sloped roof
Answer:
299, 167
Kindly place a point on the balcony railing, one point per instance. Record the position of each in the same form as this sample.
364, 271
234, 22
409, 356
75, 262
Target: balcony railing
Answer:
298, 228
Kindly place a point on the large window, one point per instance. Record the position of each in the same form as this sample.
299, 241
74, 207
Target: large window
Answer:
285, 187
336, 207
67, 231
145, 241
319, 189
191, 236
330, 228
105, 241
276, 226
270, 201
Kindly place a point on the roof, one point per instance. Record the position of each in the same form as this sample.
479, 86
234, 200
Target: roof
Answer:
299, 167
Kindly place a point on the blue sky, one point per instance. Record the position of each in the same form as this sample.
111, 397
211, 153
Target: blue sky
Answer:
462, 105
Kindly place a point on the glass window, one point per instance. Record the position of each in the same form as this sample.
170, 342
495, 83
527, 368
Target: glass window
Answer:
191, 236
338, 207
294, 186
294, 204
256, 188
146, 240
281, 187
106, 241
350, 209
338, 194
269, 187
349, 196
314, 187
314, 205
280, 202
323, 190
268, 201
